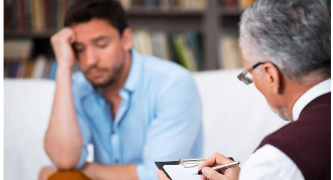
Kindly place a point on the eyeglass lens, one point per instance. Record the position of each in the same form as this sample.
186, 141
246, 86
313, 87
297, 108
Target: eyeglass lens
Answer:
247, 78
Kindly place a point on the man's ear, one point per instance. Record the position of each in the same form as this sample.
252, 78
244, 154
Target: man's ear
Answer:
272, 77
127, 39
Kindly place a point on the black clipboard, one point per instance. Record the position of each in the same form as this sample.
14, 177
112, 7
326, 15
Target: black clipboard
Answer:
161, 164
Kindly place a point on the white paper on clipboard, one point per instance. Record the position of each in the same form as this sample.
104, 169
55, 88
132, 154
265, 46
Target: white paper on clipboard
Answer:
179, 172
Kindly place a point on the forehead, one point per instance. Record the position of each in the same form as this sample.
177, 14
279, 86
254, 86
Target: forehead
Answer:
92, 29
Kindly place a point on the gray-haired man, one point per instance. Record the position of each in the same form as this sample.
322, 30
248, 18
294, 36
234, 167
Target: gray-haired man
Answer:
286, 46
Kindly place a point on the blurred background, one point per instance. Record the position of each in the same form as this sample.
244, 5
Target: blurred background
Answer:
198, 34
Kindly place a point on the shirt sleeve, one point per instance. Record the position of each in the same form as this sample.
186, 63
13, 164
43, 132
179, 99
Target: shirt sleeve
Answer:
176, 132
269, 163
79, 87
86, 137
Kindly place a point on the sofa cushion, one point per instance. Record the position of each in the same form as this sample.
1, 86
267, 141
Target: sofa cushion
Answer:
27, 106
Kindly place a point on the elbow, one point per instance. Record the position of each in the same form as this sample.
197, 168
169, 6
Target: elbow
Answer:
65, 164
63, 158
65, 155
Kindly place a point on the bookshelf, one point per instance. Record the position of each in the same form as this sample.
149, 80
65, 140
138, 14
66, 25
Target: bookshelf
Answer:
213, 24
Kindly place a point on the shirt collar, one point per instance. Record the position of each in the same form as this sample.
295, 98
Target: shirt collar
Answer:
314, 92
135, 71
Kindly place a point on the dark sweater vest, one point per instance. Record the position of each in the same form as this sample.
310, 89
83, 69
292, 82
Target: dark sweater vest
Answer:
307, 141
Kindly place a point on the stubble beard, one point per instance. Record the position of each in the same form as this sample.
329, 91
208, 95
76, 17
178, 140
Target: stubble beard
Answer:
111, 79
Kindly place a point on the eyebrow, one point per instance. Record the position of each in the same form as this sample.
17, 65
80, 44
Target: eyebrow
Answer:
95, 40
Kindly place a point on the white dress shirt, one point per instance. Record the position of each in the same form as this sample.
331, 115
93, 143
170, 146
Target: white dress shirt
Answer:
268, 162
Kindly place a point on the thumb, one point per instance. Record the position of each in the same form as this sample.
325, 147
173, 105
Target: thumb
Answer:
211, 174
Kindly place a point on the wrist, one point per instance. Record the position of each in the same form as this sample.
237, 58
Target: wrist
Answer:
64, 70
88, 169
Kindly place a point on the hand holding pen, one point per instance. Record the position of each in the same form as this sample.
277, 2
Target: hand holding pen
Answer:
219, 167
230, 173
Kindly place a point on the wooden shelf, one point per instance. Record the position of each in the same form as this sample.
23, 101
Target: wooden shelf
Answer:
226, 11
157, 12
168, 20
28, 34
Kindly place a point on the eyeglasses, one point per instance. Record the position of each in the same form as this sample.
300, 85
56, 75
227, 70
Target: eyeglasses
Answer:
246, 76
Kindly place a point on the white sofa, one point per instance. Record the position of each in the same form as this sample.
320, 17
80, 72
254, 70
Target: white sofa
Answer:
236, 117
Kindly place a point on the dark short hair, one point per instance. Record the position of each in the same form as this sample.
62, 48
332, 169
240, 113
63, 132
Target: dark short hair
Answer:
85, 10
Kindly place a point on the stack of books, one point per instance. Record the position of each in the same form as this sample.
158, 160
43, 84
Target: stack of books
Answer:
165, 4
184, 48
35, 15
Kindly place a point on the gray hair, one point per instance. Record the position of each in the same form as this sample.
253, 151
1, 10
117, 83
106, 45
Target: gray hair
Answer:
295, 35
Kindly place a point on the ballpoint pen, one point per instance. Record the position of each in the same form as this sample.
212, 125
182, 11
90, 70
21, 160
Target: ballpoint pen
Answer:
220, 167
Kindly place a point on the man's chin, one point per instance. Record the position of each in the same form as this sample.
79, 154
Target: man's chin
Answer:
101, 82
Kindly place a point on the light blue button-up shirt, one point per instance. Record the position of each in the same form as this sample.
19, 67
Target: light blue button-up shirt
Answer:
159, 118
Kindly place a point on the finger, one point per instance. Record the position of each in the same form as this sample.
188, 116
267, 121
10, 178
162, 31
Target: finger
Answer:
215, 159
211, 174
65, 34
232, 171
203, 177
161, 175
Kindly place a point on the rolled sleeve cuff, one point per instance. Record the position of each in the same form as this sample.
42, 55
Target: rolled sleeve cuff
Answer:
82, 160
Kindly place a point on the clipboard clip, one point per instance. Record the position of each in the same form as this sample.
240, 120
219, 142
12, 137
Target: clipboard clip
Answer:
189, 163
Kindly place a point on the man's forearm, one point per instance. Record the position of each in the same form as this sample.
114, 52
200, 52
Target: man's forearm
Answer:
63, 142
111, 172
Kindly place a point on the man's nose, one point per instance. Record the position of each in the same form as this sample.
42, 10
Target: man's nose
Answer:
92, 57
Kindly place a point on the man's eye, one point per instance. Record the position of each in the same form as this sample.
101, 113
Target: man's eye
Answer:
78, 49
102, 45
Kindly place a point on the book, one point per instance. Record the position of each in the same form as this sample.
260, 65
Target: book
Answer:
38, 15
39, 67
144, 41
179, 50
184, 53
21, 14
17, 49
62, 6
160, 44
230, 57
29, 67
6, 12
21, 69
48, 14
244, 3
172, 50
13, 18
13, 69
195, 43
28, 14
165, 4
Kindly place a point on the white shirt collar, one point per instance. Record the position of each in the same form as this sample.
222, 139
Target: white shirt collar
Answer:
314, 92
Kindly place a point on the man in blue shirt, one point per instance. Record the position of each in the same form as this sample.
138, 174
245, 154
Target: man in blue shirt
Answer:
134, 109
